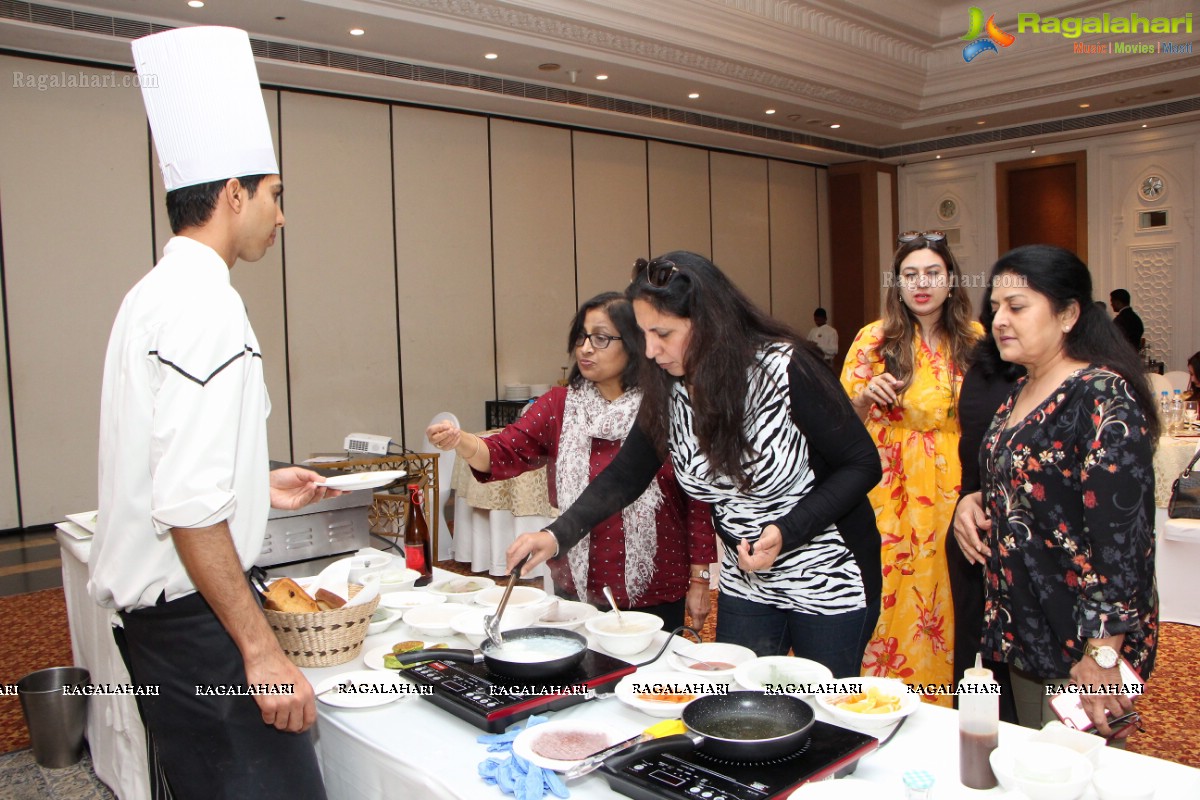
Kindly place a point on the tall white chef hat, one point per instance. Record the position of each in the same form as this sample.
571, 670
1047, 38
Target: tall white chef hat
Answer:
205, 105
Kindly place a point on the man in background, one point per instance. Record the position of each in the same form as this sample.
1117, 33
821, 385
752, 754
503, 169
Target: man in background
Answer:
1129, 323
824, 337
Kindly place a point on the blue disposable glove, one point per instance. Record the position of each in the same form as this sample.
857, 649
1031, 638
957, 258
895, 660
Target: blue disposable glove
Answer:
514, 775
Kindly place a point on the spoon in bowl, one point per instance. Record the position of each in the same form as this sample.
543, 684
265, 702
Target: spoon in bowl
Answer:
612, 601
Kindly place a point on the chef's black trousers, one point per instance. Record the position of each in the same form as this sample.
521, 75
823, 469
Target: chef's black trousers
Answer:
210, 746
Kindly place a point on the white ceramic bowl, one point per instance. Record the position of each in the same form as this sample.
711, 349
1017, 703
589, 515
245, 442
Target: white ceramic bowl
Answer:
686, 658
1050, 771
1088, 745
565, 614
786, 674
461, 589
470, 622
398, 580
1001, 760
631, 634
402, 601
382, 619
522, 596
909, 702
433, 620
1114, 783
636, 690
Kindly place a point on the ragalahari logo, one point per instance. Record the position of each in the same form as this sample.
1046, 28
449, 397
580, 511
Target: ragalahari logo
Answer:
991, 36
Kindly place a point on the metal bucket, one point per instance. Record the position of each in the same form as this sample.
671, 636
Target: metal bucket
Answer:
56, 719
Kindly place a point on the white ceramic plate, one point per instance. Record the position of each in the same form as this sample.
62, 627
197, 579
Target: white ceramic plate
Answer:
85, 520
712, 653
612, 733
571, 614
364, 480
632, 688
844, 789
382, 619
403, 601
783, 673
831, 702
374, 689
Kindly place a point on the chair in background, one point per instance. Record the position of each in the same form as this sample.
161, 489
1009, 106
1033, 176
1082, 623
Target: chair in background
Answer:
1159, 384
1178, 379
445, 506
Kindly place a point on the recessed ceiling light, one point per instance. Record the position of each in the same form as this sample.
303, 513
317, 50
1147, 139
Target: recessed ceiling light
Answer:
1085, 105
357, 31
938, 156
1145, 124
693, 95
1033, 149
769, 111
836, 125
981, 122
196, 3
491, 56
549, 66
601, 77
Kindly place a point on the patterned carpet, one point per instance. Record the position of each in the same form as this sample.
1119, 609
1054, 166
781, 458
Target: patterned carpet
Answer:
36, 637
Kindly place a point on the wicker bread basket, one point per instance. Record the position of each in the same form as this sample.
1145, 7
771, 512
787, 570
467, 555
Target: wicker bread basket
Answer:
323, 638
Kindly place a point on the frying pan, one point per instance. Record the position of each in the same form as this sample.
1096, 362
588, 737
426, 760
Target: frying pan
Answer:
738, 726
521, 670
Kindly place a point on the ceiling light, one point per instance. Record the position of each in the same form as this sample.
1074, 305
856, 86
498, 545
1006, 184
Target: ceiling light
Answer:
491, 56
1085, 105
196, 3
1033, 149
938, 156
769, 111
549, 66
357, 31
694, 96
601, 77
981, 122
1145, 124
836, 125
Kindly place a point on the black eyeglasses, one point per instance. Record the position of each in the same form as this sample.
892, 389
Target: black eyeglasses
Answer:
929, 236
600, 341
658, 272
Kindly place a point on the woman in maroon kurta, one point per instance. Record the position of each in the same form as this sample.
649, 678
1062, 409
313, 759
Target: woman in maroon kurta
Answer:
655, 553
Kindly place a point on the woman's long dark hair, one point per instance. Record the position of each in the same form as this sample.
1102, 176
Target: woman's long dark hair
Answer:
897, 347
620, 313
1193, 389
728, 330
1059, 276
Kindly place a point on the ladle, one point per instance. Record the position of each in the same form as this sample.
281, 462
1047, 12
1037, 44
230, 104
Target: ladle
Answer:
612, 601
491, 623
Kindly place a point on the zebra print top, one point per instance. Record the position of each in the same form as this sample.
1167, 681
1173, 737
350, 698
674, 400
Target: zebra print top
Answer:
811, 468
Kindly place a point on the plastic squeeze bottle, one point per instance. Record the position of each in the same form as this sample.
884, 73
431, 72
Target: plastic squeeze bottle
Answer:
978, 725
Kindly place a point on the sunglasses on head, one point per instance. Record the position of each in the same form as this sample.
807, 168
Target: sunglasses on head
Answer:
658, 272
929, 236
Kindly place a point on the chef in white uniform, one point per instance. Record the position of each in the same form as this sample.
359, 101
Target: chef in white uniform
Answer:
185, 484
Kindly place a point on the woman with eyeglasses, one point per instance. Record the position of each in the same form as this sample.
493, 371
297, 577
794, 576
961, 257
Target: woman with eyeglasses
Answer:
903, 374
756, 426
655, 554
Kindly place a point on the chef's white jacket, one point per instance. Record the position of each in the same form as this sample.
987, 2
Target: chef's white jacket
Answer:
183, 436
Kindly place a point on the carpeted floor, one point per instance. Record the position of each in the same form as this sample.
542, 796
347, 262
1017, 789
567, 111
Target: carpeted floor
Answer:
36, 637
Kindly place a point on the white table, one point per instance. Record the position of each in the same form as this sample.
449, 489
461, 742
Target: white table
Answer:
412, 748
115, 734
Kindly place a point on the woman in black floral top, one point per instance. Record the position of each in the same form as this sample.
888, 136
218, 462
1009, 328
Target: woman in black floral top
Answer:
1068, 484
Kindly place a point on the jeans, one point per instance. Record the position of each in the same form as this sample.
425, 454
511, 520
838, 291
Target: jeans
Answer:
835, 640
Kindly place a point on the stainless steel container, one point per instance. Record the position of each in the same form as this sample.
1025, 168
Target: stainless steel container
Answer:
332, 526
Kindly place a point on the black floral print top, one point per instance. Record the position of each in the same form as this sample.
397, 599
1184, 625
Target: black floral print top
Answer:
1070, 490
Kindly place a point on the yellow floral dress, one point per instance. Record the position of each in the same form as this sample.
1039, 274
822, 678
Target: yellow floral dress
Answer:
914, 506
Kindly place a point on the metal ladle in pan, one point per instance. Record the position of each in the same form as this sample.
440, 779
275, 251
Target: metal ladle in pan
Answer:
491, 623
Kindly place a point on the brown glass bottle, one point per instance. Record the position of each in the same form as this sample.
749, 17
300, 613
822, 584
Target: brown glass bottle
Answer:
418, 548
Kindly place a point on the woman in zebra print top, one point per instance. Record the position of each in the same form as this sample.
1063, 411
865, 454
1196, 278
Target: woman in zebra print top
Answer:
757, 427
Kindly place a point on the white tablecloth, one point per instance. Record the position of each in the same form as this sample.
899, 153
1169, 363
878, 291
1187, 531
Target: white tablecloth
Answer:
115, 734
412, 748
1171, 457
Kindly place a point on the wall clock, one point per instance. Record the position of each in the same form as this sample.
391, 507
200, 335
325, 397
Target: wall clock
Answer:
1152, 187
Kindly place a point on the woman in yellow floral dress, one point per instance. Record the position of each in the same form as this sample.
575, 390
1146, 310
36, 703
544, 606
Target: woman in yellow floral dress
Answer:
903, 374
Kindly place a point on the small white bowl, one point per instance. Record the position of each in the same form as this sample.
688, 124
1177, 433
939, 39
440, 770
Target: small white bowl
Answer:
382, 619
522, 596
434, 620
402, 601
1001, 760
565, 614
712, 653
397, 580
633, 690
909, 702
631, 634
1050, 771
1114, 783
1087, 745
786, 674
470, 622
461, 589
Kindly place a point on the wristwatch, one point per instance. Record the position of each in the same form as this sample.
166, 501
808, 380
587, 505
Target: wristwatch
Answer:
704, 574
1104, 655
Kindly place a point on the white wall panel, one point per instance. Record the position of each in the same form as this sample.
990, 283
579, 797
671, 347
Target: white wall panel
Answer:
532, 228
795, 271
340, 273
76, 216
443, 234
679, 195
741, 231
611, 219
261, 287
